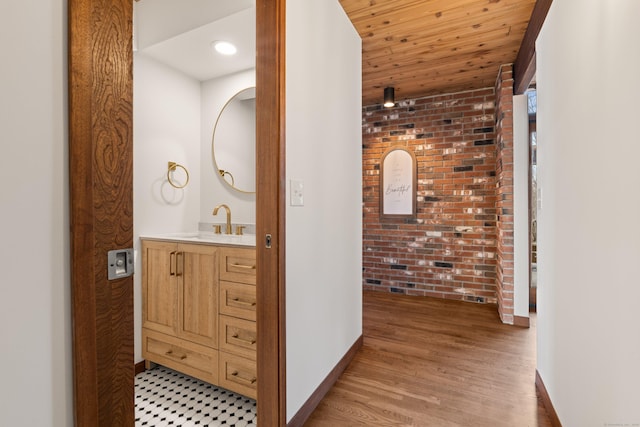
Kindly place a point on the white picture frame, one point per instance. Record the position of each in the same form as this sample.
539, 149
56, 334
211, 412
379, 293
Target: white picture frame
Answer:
398, 183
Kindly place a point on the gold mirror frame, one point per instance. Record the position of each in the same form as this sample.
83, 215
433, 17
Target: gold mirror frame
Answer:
226, 175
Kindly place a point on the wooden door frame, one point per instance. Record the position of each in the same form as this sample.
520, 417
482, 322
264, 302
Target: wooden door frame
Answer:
92, 76
270, 208
101, 208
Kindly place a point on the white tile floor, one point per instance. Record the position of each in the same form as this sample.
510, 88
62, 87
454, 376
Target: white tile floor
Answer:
168, 398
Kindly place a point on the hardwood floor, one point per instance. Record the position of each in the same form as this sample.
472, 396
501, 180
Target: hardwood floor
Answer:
431, 362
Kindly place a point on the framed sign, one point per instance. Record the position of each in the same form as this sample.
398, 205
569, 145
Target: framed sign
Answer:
398, 183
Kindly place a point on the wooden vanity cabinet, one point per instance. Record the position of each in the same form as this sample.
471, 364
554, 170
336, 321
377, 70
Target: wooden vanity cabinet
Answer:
238, 333
199, 311
180, 307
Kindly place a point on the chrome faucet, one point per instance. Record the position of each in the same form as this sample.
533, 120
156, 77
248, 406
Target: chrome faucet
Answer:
215, 212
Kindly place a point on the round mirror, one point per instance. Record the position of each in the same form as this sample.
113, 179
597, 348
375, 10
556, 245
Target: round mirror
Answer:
234, 142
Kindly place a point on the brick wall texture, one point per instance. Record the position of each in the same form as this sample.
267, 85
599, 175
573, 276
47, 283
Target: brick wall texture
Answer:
450, 250
504, 192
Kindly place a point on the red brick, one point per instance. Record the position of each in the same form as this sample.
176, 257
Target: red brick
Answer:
443, 138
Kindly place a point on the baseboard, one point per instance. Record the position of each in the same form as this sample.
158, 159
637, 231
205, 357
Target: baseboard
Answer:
521, 321
312, 402
140, 368
546, 401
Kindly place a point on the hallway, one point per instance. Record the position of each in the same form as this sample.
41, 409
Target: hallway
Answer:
430, 362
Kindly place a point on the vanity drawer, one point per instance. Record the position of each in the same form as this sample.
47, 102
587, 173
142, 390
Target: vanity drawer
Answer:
238, 265
238, 336
184, 356
238, 374
238, 300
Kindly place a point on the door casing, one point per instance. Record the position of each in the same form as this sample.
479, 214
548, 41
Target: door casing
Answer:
101, 198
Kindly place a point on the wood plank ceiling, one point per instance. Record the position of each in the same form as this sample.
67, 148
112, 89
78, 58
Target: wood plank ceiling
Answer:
427, 47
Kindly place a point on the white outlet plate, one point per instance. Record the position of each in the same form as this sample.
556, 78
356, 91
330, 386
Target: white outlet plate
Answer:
296, 195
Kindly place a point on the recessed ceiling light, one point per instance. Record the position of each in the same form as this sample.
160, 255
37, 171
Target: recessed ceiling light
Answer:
224, 48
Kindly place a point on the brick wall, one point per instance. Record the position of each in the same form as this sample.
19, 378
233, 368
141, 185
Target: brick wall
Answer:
504, 192
449, 250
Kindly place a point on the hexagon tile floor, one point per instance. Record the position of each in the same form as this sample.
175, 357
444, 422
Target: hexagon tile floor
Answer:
168, 398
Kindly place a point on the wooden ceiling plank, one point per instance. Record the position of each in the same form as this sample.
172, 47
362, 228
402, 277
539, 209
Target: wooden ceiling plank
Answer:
359, 8
441, 71
436, 9
443, 67
384, 7
494, 39
451, 60
404, 86
464, 25
424, 47
416, 89
416, 36
448, 64
439, 27
428, 89
446, 19
431, 73
470, 41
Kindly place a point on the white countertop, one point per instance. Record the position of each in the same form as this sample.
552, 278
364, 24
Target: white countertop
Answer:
206, 237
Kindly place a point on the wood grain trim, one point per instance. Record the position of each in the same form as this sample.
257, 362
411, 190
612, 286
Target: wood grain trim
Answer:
312, 402
80, 192
270, 213
101, 208
525, 77
546, 401
525, 66
140, 367
521, 321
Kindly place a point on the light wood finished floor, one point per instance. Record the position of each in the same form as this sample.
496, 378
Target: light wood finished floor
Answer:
431, 362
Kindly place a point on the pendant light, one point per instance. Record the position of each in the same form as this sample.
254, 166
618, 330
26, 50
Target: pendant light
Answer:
389, 97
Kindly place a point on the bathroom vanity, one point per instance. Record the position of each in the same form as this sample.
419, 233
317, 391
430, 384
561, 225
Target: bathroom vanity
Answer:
199, 309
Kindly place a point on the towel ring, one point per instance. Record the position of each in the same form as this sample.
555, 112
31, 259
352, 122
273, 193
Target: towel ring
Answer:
171, 168
223, 173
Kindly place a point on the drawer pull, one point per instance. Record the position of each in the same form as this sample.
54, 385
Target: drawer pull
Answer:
179, 263
243, 380
250, 342
246, 267
240, 302
172, 263
175, 356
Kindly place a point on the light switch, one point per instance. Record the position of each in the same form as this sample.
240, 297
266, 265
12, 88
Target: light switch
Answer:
297, 193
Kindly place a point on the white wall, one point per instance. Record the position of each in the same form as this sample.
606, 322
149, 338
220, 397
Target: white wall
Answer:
520, 206
324, 150
166, 117
35, 327
215, 94
588, 234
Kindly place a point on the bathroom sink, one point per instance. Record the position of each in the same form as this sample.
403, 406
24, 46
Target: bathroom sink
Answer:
245, 239
209, 237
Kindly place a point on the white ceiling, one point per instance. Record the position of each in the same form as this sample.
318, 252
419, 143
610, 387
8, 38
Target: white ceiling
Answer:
179, 33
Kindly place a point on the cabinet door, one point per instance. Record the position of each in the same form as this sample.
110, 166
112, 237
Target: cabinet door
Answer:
198, 293
159, 286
